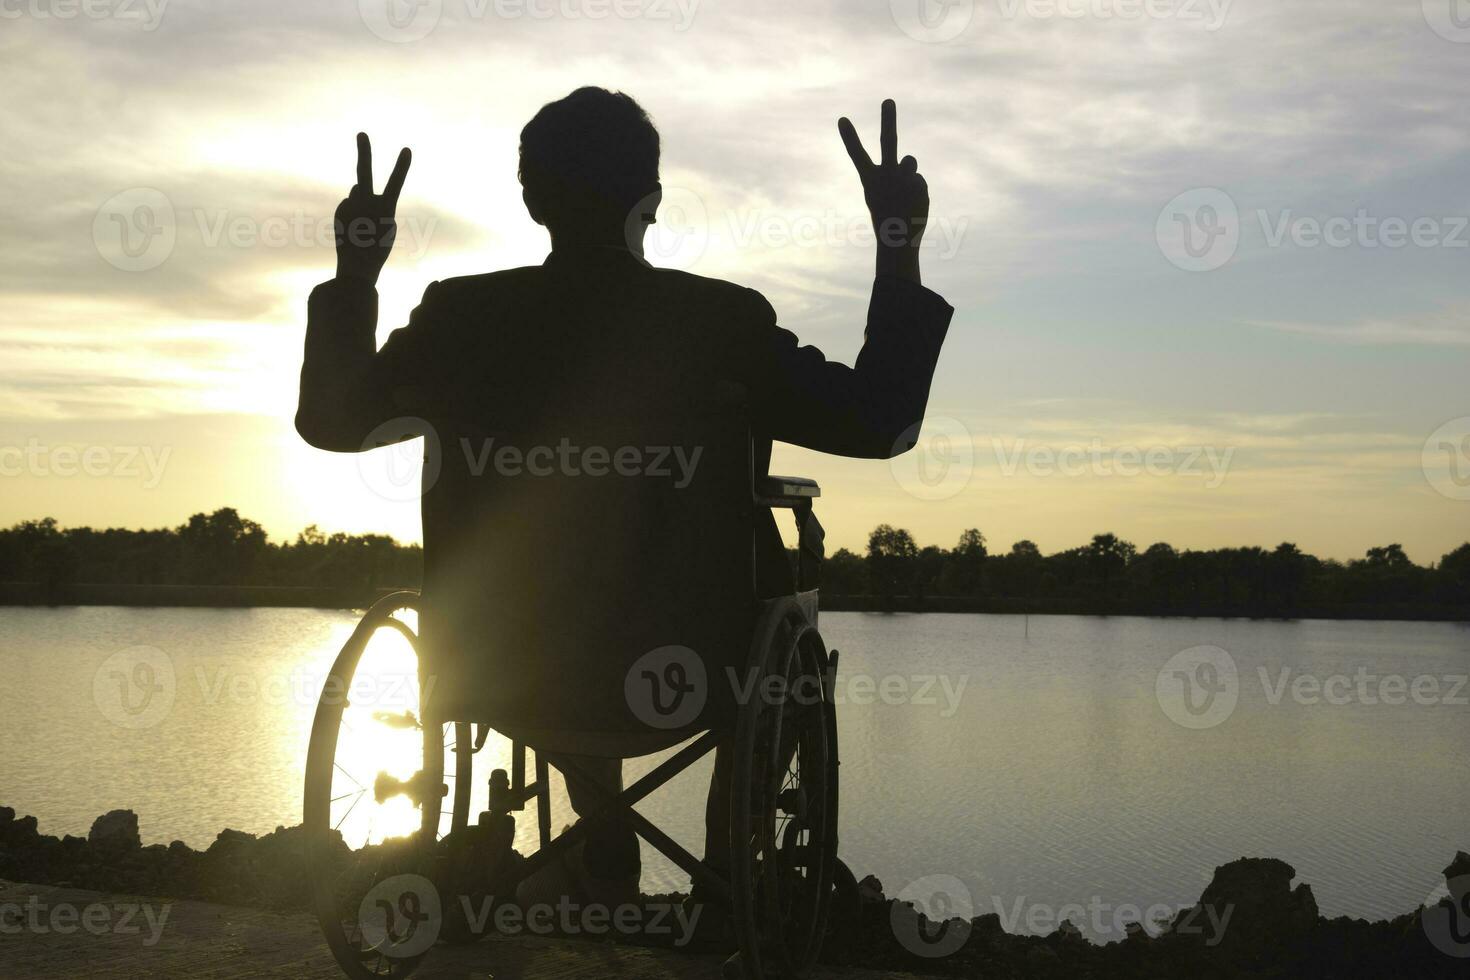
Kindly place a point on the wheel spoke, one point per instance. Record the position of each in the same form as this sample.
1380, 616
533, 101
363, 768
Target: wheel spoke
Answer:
349, 810
338, 766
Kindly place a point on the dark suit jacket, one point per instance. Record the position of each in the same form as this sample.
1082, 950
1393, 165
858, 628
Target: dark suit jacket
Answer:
594, 349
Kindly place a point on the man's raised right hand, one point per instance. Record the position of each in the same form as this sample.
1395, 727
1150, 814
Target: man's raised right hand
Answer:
896, 194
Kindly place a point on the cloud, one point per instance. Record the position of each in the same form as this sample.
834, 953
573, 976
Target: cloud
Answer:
1050, 144
1447, 329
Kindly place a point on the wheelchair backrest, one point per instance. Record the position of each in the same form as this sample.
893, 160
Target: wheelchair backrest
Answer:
588, 534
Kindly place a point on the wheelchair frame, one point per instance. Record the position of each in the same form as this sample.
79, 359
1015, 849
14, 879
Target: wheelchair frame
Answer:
763, 909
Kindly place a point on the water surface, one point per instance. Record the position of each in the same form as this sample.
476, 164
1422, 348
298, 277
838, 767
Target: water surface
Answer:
1033, 759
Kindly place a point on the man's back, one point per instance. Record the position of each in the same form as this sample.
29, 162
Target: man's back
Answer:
590, 500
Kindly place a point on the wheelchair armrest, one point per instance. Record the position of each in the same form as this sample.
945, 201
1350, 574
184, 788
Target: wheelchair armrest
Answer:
796, 493
786, 491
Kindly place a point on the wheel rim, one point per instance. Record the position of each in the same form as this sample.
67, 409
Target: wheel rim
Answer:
370, 848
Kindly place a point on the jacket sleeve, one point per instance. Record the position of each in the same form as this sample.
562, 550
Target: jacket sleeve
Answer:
870, 410
347, 385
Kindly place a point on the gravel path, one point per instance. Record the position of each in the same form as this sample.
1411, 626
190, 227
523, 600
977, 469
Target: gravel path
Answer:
66, 933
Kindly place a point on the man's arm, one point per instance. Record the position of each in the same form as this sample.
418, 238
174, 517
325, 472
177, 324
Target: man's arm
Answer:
870, 410
346, 382
873, 408
344, 391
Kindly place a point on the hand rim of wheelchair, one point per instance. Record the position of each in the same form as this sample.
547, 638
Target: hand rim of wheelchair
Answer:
766, 895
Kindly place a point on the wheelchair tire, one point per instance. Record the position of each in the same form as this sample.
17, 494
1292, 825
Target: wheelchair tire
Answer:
395, 877
784, 803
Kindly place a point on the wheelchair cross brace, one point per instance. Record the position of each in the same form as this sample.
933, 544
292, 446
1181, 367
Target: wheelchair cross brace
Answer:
618, 806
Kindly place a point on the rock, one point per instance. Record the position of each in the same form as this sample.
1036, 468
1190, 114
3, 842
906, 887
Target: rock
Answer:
1457, 877
116, 831
1068, 930
870, 889
1250, 905
230, 842
987, 925
20, 833
7, 817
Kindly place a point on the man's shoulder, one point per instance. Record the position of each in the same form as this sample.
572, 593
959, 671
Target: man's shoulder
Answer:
711, 298
483, 283
737, 301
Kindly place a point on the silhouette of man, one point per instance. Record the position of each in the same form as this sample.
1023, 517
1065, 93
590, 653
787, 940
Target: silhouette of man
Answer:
595, 329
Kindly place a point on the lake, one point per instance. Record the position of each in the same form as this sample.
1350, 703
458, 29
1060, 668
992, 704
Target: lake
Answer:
1018, 765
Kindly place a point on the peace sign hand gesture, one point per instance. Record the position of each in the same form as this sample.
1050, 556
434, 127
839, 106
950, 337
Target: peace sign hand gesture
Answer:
364, 221
896, 194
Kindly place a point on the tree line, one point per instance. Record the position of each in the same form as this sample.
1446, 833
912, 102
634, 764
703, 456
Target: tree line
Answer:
221, 548
224, 548
1111, 571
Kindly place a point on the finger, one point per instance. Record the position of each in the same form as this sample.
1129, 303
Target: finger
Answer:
395, 179
888, 134
364, 163
908, 165
855, 150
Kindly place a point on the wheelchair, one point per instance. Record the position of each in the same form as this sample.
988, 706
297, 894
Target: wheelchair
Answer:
391, 904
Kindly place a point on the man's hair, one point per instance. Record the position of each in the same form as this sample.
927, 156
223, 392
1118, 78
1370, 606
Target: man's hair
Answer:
593, 150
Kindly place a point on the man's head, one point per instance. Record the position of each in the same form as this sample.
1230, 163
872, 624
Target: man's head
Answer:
586, 162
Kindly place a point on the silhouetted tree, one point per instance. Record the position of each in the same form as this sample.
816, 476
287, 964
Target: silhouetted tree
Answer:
892, 556
845, 573
963, 572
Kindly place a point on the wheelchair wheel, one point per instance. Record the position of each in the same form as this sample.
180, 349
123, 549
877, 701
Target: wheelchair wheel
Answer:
784, 805
378, 801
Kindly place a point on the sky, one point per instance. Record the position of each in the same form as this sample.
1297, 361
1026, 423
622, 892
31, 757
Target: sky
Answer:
1209, 260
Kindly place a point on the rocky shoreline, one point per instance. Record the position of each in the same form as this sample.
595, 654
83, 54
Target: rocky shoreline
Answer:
1249, 922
